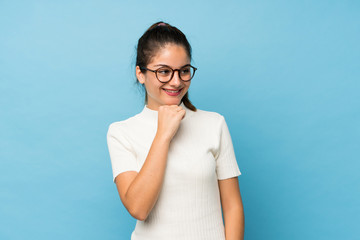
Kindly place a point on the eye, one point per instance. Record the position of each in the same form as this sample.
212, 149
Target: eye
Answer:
185, 70
164, 71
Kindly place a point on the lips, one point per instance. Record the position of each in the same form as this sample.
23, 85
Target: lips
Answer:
172, 92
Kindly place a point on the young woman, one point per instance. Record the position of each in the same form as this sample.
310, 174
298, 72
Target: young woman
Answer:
174, 165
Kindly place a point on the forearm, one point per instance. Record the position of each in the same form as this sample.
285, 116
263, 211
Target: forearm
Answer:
234, 223
143, 192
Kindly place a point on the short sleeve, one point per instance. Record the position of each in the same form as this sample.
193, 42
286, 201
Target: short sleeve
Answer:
122, 156
226, 165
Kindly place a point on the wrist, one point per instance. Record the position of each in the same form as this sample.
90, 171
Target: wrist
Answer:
162, 139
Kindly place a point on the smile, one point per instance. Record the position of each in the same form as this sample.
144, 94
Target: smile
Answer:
172, 92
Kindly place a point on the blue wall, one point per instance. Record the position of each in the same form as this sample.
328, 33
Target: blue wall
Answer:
285, 74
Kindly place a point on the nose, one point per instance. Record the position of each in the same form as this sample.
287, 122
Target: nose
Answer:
175, 81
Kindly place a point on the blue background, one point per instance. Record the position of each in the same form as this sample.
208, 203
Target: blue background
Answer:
285, 74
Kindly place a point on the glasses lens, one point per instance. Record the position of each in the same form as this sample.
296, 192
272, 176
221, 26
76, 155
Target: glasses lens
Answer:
186, 73
164, 74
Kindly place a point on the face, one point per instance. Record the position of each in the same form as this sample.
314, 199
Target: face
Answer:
158, 94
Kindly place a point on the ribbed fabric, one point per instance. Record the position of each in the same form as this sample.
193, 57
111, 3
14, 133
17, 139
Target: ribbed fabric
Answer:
200, 154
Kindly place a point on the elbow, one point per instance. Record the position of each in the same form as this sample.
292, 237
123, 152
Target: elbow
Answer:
137, 209
138, 214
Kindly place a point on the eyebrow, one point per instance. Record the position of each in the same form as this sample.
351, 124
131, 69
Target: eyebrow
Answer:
164, 65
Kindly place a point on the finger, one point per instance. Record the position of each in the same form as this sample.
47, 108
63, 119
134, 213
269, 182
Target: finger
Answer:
179, 108
184, 114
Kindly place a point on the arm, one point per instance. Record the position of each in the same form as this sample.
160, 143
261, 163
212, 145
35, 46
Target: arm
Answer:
139, 191
232, 208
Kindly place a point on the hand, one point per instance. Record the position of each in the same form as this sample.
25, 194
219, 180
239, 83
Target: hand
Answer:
169, 118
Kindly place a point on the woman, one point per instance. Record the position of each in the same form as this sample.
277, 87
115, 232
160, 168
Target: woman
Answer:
174, 165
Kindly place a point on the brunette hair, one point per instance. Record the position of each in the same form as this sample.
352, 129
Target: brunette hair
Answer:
157, 36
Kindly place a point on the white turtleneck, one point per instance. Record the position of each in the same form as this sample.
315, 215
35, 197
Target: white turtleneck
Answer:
200, 154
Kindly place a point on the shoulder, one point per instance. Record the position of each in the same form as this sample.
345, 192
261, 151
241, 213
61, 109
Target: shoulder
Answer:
208, 116
120, 126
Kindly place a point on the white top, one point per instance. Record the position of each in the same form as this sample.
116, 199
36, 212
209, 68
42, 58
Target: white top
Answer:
200, 154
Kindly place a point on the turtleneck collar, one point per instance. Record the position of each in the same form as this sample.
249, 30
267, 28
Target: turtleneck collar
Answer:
153, 114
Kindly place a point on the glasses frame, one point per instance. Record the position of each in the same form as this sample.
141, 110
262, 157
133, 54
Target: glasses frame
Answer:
173, 72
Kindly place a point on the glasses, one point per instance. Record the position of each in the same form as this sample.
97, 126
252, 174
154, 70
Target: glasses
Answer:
165, 74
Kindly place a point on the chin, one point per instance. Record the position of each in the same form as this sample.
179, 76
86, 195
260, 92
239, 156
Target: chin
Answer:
173, 101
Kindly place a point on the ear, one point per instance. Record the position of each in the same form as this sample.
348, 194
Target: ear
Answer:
139, 75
